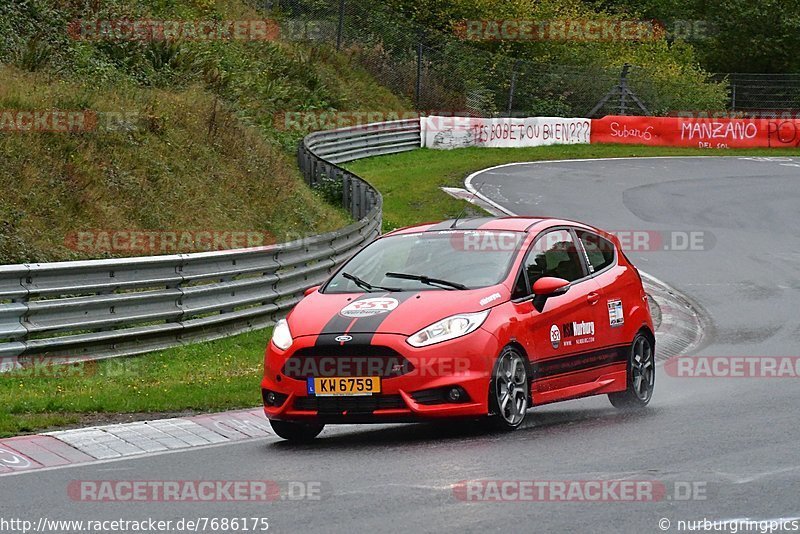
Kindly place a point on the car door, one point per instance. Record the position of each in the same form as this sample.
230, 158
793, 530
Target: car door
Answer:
614, 281
562, 334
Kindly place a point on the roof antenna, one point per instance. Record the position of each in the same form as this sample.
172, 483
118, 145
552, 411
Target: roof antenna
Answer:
469, 201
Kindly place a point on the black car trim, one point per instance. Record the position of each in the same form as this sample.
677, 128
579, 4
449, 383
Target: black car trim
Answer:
578, 362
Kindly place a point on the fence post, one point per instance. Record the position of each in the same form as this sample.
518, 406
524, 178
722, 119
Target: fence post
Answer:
623, 84
418, 86
340, 26
513, 87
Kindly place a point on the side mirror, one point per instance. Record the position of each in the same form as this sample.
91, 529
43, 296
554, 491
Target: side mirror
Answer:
547, 287
310, 290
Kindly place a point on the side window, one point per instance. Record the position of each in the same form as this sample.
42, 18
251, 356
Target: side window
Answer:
553, 254
600, 251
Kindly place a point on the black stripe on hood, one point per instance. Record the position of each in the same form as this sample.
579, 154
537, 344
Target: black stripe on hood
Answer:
366, 326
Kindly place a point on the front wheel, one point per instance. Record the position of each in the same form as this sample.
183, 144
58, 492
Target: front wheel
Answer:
641, 376
298, 432
508, 392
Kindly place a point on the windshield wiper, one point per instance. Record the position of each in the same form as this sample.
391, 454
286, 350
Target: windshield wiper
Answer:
426, 280
366, 285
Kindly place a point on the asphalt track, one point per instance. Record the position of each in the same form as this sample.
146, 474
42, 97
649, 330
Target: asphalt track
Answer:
740, 438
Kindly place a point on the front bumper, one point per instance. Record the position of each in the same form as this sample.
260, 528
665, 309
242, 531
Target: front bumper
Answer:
418, 394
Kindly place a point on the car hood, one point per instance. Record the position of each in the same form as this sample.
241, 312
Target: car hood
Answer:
402, 312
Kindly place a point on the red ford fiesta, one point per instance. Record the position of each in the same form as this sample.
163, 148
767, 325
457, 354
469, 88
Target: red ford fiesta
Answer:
470, 318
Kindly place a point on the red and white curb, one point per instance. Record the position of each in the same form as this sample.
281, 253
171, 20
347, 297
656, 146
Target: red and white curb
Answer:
683, 325
109, 442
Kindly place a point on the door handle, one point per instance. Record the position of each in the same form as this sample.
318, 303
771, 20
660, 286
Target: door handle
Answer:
593, 297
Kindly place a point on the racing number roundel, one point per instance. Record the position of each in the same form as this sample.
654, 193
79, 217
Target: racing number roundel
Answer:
368, 307
555, 336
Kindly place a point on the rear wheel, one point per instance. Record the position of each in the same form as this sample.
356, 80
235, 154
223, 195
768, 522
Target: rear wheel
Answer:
641, 376
508, 392
298, 432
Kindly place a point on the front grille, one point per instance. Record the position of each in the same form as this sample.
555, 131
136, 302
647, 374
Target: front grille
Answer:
339, 404
346, 361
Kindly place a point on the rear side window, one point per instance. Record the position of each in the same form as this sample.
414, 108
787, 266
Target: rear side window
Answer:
599, 251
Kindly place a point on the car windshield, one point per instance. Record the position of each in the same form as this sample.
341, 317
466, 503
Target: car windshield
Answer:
446, 260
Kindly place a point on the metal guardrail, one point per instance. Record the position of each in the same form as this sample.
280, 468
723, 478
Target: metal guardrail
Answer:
106, 308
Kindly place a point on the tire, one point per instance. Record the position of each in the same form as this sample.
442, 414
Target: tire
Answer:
297, 432
509, 390
641, 376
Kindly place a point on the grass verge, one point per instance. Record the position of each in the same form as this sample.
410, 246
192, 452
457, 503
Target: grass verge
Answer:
224, 374
211, 376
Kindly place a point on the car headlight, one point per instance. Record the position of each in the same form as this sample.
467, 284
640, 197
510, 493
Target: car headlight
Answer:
281, 336
449, 328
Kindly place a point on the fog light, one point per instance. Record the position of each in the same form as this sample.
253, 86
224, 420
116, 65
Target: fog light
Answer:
273, 398
454, 394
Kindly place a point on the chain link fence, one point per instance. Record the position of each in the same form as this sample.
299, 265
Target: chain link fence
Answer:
767, 95
438, 72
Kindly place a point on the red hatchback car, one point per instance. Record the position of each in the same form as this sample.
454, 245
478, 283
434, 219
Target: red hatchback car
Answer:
468, 318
